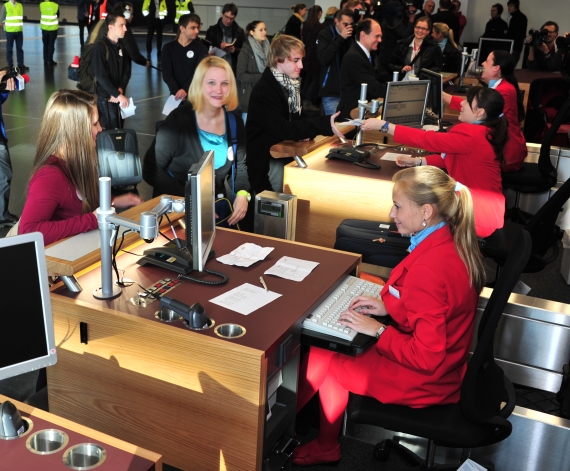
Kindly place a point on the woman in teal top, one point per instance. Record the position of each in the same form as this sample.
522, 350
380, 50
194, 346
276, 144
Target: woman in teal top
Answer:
207, 122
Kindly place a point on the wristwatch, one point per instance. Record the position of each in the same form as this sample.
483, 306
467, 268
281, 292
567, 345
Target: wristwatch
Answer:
380, 331
244, 193
384, 128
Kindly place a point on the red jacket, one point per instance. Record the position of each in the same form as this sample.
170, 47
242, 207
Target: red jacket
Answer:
53, 206
470, 159
422, 360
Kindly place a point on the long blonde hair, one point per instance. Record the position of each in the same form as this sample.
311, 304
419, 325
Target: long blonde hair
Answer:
442, 28
431, 185
195, 94
66, 133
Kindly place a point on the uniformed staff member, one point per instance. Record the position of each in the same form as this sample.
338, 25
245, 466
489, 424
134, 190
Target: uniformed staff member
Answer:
155, 13
12, 19
49, 24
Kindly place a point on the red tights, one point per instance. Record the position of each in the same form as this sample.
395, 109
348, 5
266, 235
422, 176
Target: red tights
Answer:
315, 375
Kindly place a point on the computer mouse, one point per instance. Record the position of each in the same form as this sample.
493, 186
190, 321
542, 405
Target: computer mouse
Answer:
11, 423
198, 318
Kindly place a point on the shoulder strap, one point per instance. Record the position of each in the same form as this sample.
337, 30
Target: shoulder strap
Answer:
234, 141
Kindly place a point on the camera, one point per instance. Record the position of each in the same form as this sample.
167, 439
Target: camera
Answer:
537, 37
18, 80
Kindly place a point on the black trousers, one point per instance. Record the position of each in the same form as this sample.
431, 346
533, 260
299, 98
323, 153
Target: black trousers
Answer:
153, 24
48, 38
83, 24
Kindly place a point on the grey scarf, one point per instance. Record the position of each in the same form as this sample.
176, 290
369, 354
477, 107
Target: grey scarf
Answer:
260, 52
293, 89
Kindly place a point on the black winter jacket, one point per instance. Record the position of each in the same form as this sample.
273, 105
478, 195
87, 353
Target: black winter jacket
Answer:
331, 48
215, 36
429, 56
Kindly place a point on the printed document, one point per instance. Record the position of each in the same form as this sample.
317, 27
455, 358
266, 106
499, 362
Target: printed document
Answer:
292, 268
245, 298
245, 255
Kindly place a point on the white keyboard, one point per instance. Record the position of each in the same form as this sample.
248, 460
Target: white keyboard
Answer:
324, 318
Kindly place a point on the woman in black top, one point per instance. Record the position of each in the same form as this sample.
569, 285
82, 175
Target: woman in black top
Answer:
295, 23
443, 36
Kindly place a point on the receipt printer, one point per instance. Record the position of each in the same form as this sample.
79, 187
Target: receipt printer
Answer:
275, 215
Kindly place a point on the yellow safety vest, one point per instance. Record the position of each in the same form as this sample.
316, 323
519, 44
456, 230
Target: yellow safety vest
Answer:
14, 17
182, 9
48, 16
162, 11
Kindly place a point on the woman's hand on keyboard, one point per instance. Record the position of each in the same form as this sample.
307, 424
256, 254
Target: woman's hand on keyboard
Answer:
367, 305
359, 322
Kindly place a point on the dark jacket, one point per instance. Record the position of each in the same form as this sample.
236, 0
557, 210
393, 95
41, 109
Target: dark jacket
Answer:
177, 68
451, 58
131, 48
331, 48
355, 70
517, 29
82, 10
551, 63
392, 32
177, 146
496, 28
215, 36
429, 56
293, 27
270, 122
112, 72
449, 18
248, 74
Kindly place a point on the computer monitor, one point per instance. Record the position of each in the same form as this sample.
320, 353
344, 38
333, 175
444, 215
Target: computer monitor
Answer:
405, 102
200, 210
488, 45
26, 326
435, 97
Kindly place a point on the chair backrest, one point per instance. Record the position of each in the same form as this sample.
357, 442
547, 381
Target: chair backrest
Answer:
484, 386
542, 226
544, 163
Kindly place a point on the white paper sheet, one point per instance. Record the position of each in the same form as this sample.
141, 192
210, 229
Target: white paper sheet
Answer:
129, 110
170, 105
292, 268
245, 255
245, 298
469, 465
393, 155
218, 52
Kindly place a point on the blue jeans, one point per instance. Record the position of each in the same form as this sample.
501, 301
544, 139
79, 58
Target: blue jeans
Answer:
10, 38
5, 180
330, 104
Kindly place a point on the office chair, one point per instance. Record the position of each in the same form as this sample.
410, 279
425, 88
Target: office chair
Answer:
542, 229
535, 177
478, 419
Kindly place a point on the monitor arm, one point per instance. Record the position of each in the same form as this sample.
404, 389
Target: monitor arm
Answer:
363, 105
147, 227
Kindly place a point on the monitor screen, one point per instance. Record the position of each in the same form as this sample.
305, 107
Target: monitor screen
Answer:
435, 96
200, 210
26, 325
405, 102
488, 45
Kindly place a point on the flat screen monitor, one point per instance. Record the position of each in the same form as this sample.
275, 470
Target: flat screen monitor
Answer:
488, 45
27, 338
435, 96
200, 210
405, 102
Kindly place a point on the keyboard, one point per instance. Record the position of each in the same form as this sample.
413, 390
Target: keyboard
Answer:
324, 318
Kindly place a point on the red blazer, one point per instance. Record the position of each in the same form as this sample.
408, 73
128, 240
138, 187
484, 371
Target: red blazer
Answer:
422, 360
470, 159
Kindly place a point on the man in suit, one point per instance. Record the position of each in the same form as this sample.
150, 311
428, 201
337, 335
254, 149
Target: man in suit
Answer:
357, 68
445, 15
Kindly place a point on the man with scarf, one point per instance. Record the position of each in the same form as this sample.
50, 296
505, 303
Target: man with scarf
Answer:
275, 114
227, 35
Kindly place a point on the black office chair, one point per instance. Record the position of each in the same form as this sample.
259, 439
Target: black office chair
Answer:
535, 177
478, 419
542, 229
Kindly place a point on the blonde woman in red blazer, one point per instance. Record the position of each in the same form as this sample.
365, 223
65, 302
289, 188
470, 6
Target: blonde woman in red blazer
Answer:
420, 359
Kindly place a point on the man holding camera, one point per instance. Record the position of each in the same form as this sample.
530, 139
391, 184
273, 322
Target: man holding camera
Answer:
332, 44
545, 52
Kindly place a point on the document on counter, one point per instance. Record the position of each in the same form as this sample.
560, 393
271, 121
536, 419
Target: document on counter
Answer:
245, 255
245, 298
470, 465
393, 156
292, 268
170, 105
129, 110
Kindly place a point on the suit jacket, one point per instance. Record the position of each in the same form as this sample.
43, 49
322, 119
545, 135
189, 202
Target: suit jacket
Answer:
355, 70
470, 159
421, 360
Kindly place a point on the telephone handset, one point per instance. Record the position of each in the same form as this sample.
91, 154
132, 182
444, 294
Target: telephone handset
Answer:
353, 154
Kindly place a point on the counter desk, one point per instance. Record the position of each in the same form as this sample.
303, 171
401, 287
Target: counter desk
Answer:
196, 398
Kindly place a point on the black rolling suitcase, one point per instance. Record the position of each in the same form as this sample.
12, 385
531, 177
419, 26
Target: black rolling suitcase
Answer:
118, 153
379, 243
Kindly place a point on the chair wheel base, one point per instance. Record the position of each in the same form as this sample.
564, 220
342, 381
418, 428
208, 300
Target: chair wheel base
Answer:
382, 451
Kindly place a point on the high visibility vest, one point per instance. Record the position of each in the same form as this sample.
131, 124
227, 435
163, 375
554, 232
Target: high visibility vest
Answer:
103, 10
182, 8
48, 16
162, 10
14, 17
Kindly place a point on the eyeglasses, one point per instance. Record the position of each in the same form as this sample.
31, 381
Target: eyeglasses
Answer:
419, 28
229, 18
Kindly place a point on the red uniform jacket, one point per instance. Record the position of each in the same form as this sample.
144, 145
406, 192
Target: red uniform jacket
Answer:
421, 361
469, 159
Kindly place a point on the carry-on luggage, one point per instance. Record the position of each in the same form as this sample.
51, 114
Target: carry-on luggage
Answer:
118, 154
379, 243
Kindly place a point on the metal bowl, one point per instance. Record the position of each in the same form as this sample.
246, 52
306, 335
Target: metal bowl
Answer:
230, 331
84, 456
47, 441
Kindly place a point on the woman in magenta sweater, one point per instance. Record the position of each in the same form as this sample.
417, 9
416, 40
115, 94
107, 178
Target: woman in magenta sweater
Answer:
471, 152
63, 192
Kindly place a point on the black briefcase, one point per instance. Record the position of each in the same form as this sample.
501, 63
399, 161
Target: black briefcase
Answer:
379, 243
118, 153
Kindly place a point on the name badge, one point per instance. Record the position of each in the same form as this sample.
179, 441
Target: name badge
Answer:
394, 292
230, 154
121, 52
190, 54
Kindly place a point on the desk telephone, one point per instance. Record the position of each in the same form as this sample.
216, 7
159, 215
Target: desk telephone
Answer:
353, 154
